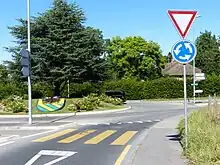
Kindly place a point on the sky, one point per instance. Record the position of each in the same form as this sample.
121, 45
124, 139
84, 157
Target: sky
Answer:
146, 18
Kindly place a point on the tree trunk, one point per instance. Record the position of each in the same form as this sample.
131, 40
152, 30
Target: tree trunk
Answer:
57, 90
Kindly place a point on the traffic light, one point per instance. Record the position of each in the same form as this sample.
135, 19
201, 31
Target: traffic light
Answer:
25, 62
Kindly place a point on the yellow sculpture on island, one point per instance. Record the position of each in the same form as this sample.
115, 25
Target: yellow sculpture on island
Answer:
50, 104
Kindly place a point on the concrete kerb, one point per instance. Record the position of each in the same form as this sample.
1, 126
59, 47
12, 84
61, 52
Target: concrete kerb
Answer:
67, 114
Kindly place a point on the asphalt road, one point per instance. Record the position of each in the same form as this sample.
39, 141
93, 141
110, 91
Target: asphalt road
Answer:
101, 139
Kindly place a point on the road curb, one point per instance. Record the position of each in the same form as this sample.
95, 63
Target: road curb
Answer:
68, 114
7, 138
38, 127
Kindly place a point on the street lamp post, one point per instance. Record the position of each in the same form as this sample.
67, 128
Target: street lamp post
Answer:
194, 70
29, 77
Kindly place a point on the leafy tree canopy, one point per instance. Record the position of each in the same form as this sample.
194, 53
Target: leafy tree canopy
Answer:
62, 47
208, 53
134, 57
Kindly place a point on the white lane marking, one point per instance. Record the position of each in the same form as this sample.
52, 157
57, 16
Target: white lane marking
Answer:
87, 124
138, 122
106, 123
157, 120
9, 137
3, 144
82, 124
93, 124
148, 121
63, 154
119, 123
129, 122
66, 125
24, 137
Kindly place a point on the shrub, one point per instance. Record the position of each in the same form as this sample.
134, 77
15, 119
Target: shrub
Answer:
72, 108
8, 89
93, 101
134, 90
14, 104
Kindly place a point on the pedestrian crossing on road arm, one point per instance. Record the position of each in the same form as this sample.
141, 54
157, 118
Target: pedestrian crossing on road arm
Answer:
55, 135
76, 136
124, 138
67, 137
97, 139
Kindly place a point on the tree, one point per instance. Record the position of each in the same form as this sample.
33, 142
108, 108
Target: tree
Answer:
4, 74
208, 54
134, 57
62, 48
169, 57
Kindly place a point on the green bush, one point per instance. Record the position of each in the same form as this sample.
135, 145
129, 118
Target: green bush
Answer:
14, 104
134, 90
8, 89
93, 101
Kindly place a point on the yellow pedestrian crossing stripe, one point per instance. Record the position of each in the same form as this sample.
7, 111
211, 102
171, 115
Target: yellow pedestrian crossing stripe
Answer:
121, 139
53, 136
76, 136
97, 139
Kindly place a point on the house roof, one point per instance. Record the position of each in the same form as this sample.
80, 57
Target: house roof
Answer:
176, 69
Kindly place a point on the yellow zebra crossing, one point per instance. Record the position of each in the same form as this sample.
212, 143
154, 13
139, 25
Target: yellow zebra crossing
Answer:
121, 139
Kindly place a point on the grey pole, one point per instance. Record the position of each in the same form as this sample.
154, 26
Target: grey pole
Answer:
194, 77
194, 70
29, 77
185, 106
68, 85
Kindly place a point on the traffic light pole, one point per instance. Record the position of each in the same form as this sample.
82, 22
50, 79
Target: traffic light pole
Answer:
29, 77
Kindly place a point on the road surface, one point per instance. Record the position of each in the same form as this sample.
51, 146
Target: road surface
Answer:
100, 139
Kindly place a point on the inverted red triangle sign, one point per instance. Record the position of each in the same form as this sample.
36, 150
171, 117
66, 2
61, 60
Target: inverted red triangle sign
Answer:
182, 20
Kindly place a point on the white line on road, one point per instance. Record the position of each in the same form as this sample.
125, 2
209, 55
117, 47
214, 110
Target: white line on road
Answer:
106, 123
138, 122
157, 120
149, 121
82, 124
65, 125
3, 144
63, 154
92, 123
24, 137
128, 122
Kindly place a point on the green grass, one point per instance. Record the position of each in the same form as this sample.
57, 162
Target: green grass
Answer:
203, 137
64, 110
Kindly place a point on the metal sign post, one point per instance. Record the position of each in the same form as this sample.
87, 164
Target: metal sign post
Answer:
26, 64
185, 104
183, 51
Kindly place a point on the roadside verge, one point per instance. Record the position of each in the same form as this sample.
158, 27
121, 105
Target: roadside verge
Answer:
203, 135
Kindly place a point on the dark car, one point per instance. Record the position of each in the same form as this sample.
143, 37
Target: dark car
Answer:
116, 93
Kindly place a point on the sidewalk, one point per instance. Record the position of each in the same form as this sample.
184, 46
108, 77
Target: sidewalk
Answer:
160, 147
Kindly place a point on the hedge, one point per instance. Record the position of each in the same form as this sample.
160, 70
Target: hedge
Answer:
134, 90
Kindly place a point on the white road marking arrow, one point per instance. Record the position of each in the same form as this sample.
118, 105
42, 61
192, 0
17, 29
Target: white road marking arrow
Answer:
63, 154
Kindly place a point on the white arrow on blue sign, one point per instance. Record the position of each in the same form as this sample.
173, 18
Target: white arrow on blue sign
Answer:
184, 51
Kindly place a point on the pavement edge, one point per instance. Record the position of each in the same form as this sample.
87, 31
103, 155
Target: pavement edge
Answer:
68, 114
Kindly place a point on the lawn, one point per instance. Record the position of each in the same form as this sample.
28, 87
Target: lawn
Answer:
64, 110
203, 137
